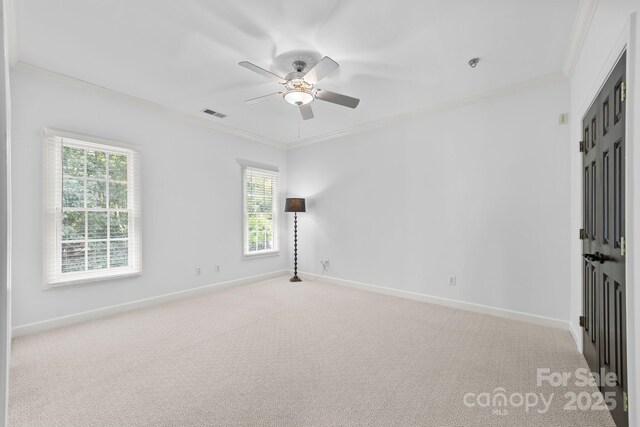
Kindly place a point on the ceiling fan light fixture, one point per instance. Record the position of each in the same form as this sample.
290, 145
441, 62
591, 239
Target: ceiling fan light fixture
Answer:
298, 97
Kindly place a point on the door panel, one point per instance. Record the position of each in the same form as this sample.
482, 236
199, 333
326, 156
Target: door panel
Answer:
604, 334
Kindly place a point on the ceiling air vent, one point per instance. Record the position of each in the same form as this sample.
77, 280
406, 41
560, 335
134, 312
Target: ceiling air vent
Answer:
214, 113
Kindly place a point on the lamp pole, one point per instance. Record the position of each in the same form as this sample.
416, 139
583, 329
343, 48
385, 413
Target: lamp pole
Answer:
295, 205
295, 277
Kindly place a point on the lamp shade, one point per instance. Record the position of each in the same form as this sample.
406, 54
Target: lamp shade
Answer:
294, 205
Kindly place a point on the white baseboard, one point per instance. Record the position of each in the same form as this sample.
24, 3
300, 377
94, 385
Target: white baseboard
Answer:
84, 316
462, 305
577, 336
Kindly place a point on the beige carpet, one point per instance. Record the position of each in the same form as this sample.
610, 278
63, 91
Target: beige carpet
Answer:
279, 354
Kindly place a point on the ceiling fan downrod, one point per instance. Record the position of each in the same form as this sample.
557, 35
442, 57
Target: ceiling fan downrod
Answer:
299, 66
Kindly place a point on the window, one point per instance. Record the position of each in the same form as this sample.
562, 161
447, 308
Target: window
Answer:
260, 211
92, 210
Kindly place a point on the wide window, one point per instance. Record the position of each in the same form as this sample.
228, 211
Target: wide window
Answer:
260, 211
93, 210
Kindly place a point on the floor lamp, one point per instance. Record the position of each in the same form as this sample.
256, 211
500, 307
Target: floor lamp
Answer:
295, 206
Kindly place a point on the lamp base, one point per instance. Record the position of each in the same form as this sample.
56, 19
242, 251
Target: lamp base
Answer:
295, 279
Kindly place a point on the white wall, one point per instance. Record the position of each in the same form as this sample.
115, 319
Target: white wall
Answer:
610, 31
191, 197
5, 221
480, 192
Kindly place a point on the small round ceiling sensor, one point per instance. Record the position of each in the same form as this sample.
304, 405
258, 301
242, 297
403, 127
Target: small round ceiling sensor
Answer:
473, 62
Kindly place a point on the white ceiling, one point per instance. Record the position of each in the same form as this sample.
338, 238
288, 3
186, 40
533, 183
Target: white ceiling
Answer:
397, 56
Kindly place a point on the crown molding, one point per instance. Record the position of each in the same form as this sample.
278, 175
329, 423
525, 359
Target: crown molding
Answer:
31, 69
581, 25
539, 82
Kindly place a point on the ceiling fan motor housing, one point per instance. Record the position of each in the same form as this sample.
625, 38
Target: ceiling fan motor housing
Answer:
299, 92
294, 77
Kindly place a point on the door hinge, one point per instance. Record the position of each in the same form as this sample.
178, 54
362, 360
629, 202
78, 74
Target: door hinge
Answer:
583, 234
582, 321
625, 400
623, 91
623, 246
582, 146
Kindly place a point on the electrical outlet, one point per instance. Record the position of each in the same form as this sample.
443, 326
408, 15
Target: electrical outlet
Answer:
198, 271
563, 119
217, 269
452, 280
325, 265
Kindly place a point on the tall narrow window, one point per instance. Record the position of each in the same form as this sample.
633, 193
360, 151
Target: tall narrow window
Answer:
260, 211
92, 210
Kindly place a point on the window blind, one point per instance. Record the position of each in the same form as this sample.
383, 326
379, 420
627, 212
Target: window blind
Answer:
260, 211
92, 210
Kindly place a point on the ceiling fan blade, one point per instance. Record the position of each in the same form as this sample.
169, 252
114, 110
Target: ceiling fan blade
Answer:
249, 66
322, 69
306, 111
263, 98
336, 98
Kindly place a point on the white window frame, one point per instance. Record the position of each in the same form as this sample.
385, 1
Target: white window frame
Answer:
268, 171
54, 141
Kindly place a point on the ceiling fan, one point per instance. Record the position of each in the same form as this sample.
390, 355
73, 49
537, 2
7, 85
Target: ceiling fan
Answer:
299, 86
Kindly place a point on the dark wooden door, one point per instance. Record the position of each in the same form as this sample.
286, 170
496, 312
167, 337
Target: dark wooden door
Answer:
604, 295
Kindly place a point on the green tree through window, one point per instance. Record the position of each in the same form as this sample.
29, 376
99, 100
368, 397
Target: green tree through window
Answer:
260, 200
92, 210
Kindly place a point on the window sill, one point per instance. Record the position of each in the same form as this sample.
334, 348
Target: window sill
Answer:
80, 280
262, 255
